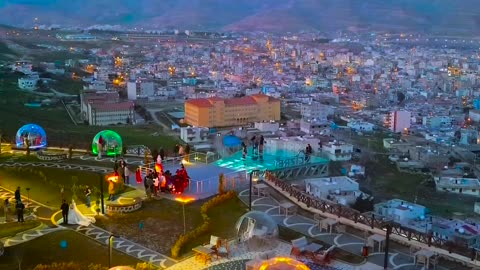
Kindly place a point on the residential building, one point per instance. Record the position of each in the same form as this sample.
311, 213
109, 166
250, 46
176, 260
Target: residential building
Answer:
103, 114
28, 82
437, 121
360, 126
457, 231
313, 127
100, 108
338, 151
461, 185
140, 89
340, 189
400, 211
316, 110
194, 134
219, 112
398, 121
267, 126
474, 115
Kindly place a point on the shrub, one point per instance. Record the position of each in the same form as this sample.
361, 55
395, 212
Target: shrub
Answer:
205, 227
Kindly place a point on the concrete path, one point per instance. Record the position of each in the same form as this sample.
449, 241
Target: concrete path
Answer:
30, 235
309, 227
125, 246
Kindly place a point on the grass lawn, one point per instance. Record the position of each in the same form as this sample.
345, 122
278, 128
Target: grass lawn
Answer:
12, 228
57, 124
46, 250
288, 235
163, 223
46, 189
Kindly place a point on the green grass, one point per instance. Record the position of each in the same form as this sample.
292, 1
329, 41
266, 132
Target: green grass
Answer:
12, 228
46, 189
66, 85
56, 122
163, 223
5, 51
288, 235
46, 250
222, 224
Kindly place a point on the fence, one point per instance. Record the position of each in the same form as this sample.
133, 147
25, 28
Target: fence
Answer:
370, 219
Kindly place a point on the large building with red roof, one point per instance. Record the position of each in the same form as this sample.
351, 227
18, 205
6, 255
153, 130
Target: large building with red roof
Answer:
104, 108
219, 112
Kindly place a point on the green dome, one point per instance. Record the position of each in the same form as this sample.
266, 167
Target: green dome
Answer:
112, 143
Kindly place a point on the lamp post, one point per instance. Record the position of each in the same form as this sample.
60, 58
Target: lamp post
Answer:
184, 201
388, 226
102, 203
110, 247
28, 197
250, 190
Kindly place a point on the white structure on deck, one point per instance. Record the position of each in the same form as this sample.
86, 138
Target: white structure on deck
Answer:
291, 144
340, 189
267, 126
338, 151
194, 134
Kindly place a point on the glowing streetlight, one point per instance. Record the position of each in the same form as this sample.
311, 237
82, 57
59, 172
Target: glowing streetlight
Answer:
184, 201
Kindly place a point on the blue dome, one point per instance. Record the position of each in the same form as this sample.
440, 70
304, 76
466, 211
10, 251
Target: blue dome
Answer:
231, 141
34, 134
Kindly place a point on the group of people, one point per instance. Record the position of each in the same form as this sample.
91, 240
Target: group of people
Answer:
103, 145
31, 139
258, 143
19, 206
157, 180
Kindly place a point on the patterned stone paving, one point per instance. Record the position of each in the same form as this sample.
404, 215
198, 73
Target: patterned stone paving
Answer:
308, 227
125, 246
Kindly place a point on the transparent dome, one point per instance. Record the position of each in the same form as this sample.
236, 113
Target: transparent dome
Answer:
256, 223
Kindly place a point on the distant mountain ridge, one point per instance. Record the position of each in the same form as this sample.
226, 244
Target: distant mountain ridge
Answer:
435, 16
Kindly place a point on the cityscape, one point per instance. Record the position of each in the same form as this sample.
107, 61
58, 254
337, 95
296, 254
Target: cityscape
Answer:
323, 135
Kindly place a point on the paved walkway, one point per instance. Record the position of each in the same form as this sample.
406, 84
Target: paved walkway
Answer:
125, 246
25, 236
309, 227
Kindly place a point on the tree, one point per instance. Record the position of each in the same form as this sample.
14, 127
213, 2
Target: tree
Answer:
400, 97
221, 184
364, 203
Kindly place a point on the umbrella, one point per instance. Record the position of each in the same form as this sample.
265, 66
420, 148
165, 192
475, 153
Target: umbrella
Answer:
231, 141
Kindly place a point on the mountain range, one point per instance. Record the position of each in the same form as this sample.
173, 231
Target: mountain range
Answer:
429, 16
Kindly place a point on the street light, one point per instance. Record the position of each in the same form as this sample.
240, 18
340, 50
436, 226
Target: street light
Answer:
250, 190
110, 247
28, 197
184, 201
101, 194
388, 226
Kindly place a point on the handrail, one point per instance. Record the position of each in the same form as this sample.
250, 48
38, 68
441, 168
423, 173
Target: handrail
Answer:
373, 220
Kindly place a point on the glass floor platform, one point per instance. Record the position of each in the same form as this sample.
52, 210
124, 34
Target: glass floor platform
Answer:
271, 159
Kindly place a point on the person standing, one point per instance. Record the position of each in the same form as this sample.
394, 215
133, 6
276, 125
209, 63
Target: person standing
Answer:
127, 174
187, 152
181, 152
262, 142
18, 196
111, 190
88, 193
20, 209
123, 167
244, 150
64, 207
175, 150
100, 144
161, 153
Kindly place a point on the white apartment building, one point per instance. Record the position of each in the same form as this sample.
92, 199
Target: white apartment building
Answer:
316, 110
313, 127
398, 121
267, 126
460, 185
140, 89
400, 211
28, 82
360, 126
194, 134
340, 189
338, 151
103, 114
